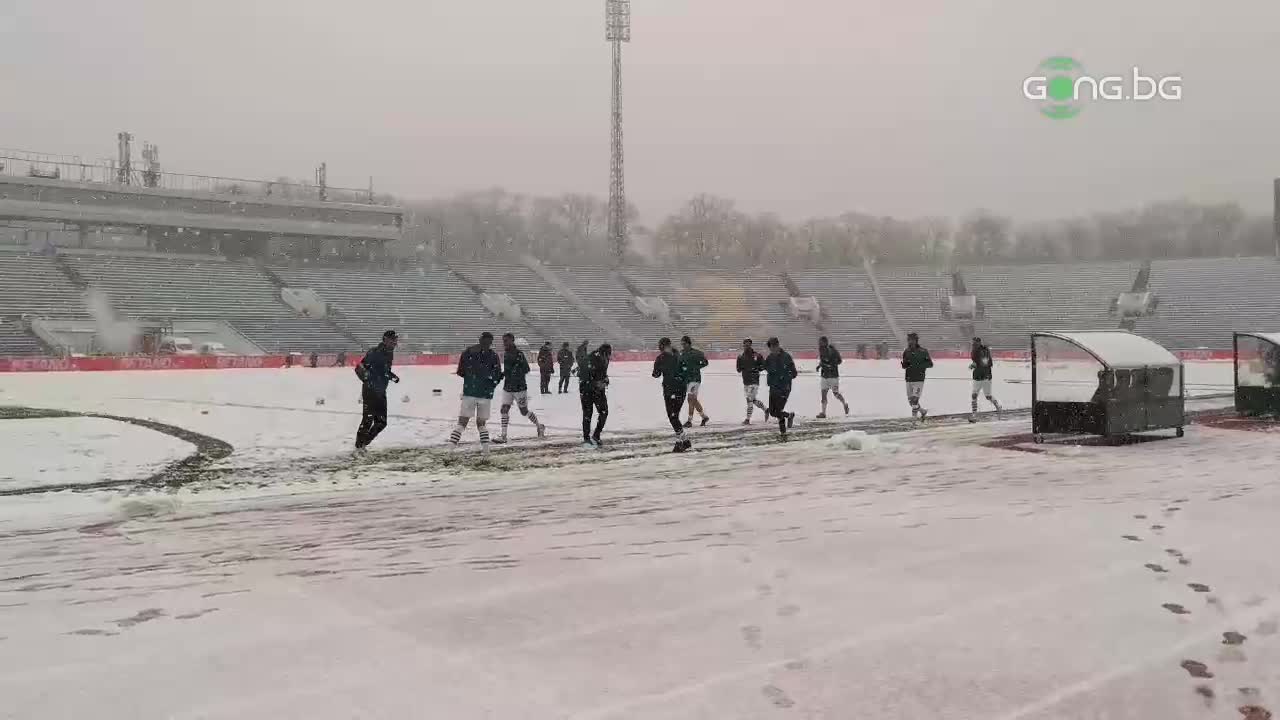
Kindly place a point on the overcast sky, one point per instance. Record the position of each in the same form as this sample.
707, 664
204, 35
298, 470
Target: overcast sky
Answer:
805, 107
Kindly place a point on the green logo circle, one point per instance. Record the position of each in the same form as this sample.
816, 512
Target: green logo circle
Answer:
1060, 74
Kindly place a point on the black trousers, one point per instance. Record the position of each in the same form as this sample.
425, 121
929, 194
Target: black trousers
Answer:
375, 416
674, 399
546, 382
593, 399
564, 378
778, 406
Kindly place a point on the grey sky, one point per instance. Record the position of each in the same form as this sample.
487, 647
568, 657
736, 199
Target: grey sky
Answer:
803, 107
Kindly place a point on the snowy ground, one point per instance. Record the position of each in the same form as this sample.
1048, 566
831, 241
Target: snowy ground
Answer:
56, 451
273, 415
932, 577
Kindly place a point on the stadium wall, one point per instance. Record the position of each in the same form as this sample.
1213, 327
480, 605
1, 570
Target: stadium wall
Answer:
223, 362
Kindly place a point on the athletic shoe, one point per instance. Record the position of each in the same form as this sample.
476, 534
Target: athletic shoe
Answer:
821, 416
923, 414
688, 423
679, 448
588, 445
688, 444
747, 421
791, 420
973, 418
498, 440
846, 408
542, 431
596, 441
705, 420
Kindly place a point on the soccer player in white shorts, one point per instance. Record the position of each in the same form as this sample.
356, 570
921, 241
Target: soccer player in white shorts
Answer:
750, 364
980, 363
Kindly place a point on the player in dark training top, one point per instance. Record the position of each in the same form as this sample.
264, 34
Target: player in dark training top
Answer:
750, 363
668, 367
691, 363
980, 364
375, 373
481, 371
546, 366
916, 362
515, 388
829, 368
565, 359
593, 384
781, 370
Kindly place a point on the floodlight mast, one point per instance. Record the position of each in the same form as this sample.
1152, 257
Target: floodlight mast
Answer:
617, 31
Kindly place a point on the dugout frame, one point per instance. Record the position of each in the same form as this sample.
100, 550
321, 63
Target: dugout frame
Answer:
1256, 393
1141, 386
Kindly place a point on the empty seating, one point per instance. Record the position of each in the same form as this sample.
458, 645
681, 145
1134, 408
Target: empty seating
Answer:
1065, 296
33, 284
430, 307
1202, 301
294, 335
721, 307
914, 296
14, 340
853, 315
547, 309
599, 288
156, 287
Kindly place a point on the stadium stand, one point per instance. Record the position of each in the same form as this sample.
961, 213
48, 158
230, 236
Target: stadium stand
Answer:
160, 287
915, 296
720, 307
431, 308
1068, 296
598, 287
33, 284
294, 335
853, 315
547, 309
16, 341
1203, 300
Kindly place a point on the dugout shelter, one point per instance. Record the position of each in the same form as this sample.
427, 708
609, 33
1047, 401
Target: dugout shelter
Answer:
1104, 382
1256, 356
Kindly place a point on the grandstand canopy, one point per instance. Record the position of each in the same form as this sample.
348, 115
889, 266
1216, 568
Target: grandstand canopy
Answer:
1117, 349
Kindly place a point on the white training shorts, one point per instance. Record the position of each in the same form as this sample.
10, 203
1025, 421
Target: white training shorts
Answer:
914, 389
519, 399
474, 406
830, 383
982, 387
692, 389
751, 391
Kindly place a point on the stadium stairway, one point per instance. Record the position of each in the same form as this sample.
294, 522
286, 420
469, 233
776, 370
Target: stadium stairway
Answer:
618, 334
311, 335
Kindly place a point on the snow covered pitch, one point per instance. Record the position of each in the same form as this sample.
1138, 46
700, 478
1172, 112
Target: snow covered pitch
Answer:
929, 574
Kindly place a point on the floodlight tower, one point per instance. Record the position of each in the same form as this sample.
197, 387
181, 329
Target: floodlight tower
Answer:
617, 15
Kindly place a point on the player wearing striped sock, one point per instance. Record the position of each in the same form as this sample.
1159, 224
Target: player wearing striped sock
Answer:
515, 366
750, 363
980, 364
481, 372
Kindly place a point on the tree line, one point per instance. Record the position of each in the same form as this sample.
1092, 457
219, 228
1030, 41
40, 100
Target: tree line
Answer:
710, 231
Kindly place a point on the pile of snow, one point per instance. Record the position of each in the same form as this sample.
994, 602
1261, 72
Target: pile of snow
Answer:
857, 440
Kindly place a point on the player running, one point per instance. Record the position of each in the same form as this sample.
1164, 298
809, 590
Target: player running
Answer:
565, 360
829, 368
750, 363
980, 364
375, 373
546, 365
593, 382
916, 362
781, 370
691, 363
480, 371
667, 366
515, 366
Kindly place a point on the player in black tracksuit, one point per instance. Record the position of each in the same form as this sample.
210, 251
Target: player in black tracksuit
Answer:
593, 382
781, 370
546, 365
674, 387
565, 360
980, 364
375, 373
916, 362
750, 363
